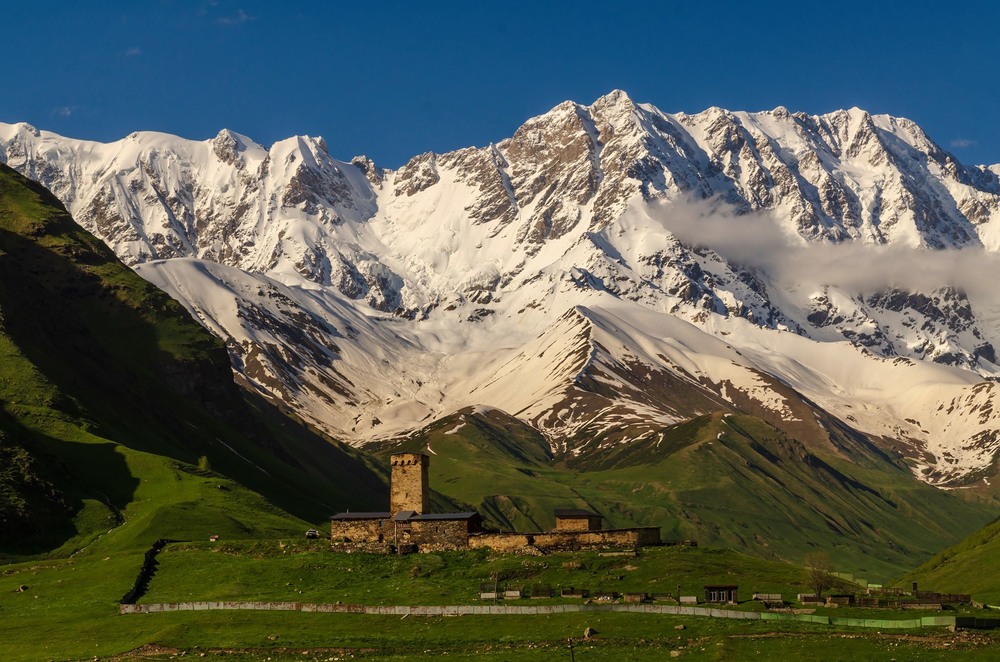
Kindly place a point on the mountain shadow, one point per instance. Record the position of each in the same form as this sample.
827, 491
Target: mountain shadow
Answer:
91, 353
43, 494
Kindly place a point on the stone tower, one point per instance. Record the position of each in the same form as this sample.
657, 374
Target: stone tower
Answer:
408, 486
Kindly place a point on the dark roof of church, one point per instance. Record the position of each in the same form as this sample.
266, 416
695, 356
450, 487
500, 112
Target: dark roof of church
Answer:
444, 516
350, 516
407, 516
574, 513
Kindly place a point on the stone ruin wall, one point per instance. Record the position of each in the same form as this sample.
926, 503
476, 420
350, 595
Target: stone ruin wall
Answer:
358, 531
437, 536
569, 540
574, 524
564, 540
511, 543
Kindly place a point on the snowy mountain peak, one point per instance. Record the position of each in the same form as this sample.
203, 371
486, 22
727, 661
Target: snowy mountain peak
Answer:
10, 130
615, 103
229, 147
372, 301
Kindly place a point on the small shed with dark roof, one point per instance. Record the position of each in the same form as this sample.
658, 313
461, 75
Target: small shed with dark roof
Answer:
721, 593
344, 517
575, 519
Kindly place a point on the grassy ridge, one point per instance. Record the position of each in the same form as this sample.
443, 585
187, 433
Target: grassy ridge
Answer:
968, 567
732, 481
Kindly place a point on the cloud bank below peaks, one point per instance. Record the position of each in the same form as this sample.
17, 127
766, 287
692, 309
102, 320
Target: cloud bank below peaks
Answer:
758, 241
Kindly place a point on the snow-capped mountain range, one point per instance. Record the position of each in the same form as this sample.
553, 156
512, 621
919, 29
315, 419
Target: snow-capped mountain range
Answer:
550, 276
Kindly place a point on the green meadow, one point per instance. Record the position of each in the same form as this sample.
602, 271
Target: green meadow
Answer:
970, 566
69, 609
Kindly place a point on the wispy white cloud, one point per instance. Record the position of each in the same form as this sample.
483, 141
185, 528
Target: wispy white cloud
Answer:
960, 143
759, 241
135, 51
239, 18
63, 111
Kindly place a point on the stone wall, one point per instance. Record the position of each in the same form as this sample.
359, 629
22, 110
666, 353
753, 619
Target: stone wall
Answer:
361, 531
443, 535
558, 540
377, 535
409, 487
648, 536
566, 540
578, 524
437, 535
513, 543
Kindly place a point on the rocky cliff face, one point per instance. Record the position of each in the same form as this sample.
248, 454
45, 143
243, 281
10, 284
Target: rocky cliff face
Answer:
371, 301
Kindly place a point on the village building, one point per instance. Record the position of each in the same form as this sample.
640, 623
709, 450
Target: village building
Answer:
409, 526
721, 593
568, 519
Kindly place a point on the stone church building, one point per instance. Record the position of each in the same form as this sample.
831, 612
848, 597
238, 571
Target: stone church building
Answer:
409, 526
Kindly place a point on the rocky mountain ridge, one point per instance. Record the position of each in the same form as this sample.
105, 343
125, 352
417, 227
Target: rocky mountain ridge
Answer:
540, 275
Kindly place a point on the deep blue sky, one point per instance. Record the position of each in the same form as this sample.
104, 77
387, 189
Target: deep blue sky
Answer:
393, 79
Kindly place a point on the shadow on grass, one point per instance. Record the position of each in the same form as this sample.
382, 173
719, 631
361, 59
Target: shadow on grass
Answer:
47, 485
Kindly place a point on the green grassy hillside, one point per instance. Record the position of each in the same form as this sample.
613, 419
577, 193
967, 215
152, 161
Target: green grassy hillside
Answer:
969, 567
69, 609
271, 570
118, 413
732, 481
